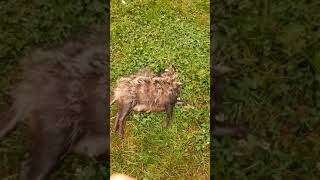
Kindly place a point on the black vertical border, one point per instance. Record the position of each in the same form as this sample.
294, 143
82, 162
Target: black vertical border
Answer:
213, 57
107, 46
211, 87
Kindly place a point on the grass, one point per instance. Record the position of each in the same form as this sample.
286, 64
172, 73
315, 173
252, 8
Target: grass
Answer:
274, 48
157, 34
272, 45
25, 25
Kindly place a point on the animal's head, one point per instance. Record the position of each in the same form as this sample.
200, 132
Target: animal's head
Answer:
170, 72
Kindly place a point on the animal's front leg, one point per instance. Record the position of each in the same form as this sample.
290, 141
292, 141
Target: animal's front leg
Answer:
49, 146
169, 112
124, 110
8, 122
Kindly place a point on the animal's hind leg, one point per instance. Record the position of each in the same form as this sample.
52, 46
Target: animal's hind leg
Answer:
169, 111
116, 122
116, 125
124, 110
93, 145
8, 123
49, 146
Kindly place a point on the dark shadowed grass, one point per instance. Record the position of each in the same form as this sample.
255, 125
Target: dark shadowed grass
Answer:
23, 26
158, 34
274, 48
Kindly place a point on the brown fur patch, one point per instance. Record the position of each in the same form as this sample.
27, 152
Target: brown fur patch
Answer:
147, 91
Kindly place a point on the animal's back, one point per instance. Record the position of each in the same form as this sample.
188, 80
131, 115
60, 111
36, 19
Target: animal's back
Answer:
145, 90
54, 77
128, 87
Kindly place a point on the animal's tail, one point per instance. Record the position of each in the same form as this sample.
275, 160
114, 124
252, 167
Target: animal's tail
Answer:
233, 131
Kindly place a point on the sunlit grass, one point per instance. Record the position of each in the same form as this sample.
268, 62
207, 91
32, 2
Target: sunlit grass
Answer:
157, 34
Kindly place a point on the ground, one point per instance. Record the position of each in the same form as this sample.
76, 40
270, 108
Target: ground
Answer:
157, 34
25, 25
273, 46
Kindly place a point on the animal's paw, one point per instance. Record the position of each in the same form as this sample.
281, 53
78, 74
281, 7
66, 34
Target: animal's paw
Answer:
121, 134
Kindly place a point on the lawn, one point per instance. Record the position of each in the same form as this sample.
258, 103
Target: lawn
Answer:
273, 46
23, 26
157, 34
